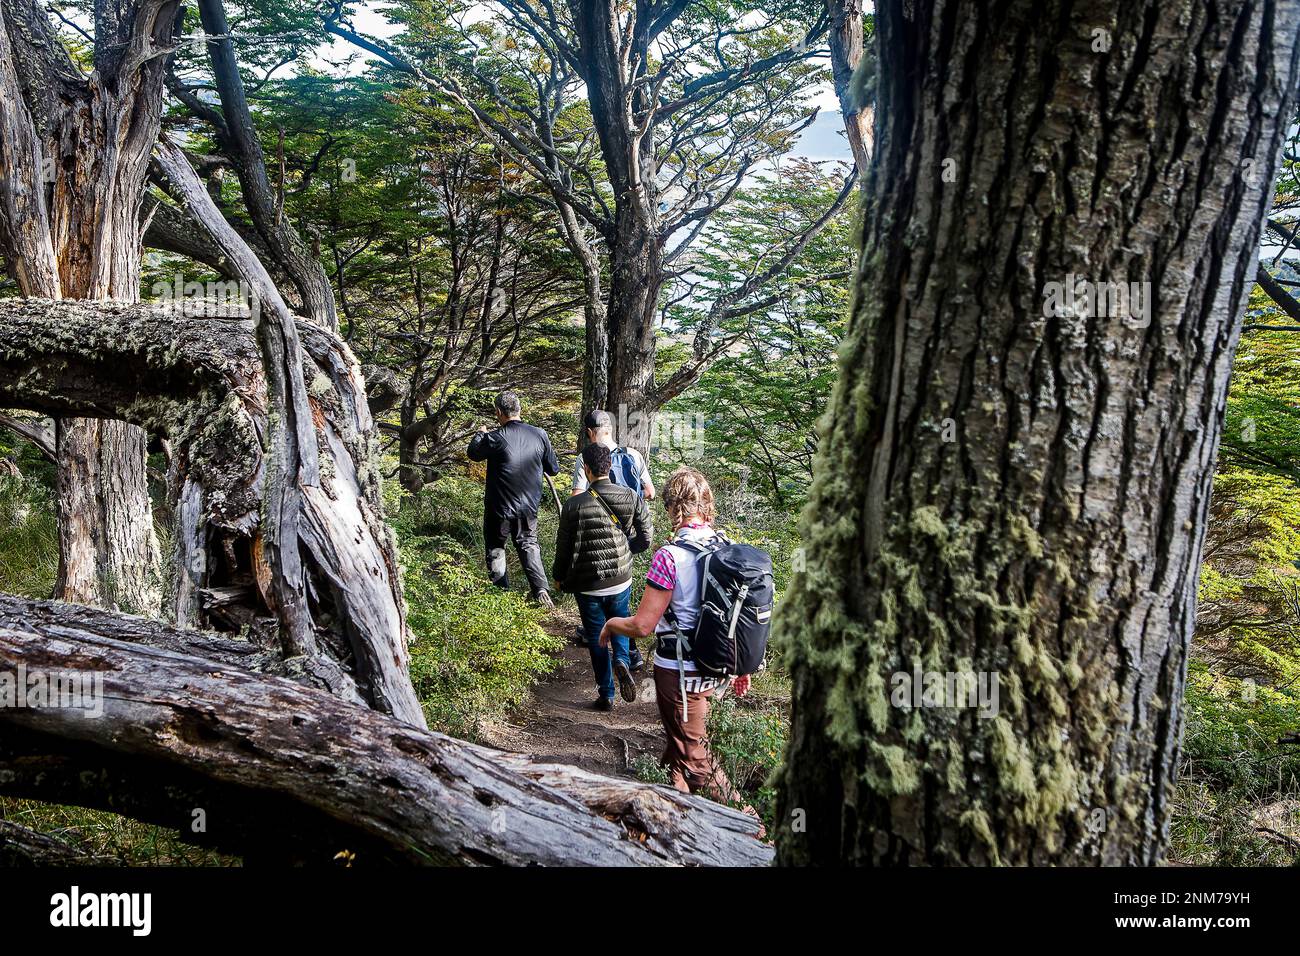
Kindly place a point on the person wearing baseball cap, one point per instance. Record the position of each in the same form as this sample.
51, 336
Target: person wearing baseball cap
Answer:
629, 467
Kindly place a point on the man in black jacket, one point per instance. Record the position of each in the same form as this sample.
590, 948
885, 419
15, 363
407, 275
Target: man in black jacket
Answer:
516, 455
600, 530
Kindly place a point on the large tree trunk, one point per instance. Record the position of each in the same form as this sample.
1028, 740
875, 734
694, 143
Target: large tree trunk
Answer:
290, 773
83, 145
201, 382
636, 270
636, 277
108, 552
1007, 485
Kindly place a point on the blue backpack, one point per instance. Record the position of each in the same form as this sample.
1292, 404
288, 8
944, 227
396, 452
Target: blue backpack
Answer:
623, 470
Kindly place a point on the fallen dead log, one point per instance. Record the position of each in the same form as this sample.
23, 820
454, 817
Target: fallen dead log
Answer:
695, 832
77, 622
274, 769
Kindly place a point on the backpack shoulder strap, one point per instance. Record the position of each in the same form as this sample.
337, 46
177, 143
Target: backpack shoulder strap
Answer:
701, 547
610, 511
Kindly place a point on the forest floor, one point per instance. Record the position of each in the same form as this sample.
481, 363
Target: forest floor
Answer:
559, 725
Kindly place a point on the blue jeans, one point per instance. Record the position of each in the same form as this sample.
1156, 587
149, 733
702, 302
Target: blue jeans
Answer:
595, 611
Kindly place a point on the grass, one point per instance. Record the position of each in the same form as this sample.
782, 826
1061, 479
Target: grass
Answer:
29, 537
1237, 801
110, 839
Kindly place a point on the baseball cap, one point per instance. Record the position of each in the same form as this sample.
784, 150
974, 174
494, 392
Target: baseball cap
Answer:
597, 419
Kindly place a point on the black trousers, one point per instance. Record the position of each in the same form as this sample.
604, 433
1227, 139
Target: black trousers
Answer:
522, 530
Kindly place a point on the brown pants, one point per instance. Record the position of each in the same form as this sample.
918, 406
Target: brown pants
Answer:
687, 757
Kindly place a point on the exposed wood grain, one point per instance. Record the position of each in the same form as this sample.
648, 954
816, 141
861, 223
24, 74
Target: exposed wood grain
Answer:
289, 772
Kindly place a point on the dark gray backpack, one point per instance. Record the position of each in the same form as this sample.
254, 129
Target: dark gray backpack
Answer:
736, 595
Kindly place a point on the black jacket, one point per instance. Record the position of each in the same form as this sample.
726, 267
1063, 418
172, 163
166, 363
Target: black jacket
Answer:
516, 455
592, 551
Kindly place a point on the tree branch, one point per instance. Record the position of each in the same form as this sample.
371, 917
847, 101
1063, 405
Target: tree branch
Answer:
40, 436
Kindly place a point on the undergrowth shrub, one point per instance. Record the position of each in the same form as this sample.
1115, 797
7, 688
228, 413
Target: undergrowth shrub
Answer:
1237, 801
746, 738
29, 537
476, 650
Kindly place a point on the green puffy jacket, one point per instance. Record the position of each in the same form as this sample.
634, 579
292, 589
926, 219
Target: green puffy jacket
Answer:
594, 547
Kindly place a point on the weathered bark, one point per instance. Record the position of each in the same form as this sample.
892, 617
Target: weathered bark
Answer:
1011, 488
294, 773
77, 622
845, 36
74, 179
24, 215
108, 553
200, 381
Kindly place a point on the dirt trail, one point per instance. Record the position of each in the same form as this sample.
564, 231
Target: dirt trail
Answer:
558, 724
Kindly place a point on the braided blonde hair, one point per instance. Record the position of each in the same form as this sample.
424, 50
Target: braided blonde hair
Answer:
688, 493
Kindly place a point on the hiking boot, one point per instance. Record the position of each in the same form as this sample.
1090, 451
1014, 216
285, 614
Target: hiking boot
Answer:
637, 661
543, 599
626, 685
580, 636
604, 704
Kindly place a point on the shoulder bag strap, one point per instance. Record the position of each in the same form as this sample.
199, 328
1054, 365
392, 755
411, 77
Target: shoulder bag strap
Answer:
610, 511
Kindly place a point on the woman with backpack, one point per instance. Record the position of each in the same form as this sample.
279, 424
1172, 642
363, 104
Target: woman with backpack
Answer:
670, 608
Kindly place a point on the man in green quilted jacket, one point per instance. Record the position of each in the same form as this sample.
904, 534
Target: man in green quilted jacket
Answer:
600, 530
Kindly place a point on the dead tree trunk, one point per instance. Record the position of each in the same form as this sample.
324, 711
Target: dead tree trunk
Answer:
294, 773
73, 177
1014, 477
329, 524
200, 382
846, 43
